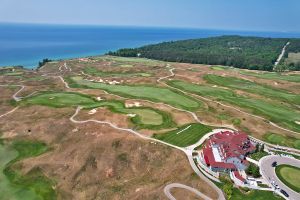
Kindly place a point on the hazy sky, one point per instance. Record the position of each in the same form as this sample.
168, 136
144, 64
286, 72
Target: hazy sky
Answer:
264, 15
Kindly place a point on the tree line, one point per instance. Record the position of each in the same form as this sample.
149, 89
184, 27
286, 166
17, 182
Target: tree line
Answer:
254, 53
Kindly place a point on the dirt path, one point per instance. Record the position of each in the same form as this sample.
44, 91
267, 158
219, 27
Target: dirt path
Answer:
280, 56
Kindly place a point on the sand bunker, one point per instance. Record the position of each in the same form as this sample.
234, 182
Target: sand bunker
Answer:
91, 112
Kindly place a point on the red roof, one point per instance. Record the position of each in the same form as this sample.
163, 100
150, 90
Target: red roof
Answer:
210, 160
238, 176
230, 144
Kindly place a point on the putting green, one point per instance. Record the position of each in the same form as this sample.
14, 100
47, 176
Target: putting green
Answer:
157, 94
289, 175
276, 112
145, 117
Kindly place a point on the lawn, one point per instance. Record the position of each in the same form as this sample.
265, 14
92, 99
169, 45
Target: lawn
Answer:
254, 195
273, 76
16, 185
254, 88
147, 118
185, 135
258, 155
275, 112
157, 94
219, 68
289, 175
60, 99
95, 72
282, 140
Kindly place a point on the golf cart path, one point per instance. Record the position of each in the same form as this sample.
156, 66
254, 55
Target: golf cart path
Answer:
167, 191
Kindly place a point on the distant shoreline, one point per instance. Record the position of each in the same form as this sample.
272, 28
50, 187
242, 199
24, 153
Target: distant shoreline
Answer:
73, 41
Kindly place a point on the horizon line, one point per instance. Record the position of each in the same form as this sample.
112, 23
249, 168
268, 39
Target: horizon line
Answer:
141, 26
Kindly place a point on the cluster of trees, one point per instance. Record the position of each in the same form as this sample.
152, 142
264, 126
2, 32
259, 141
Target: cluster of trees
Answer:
227, 186
241, 52
43, 62
253, 170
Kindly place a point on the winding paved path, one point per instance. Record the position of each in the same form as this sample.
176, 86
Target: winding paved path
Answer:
179, 185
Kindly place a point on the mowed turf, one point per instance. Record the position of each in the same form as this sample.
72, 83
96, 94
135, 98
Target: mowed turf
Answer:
254, 195
290, 176
254, 88
184, 136
273, 76
17, 185
96, 72
275, 112
157, 94
281, 140
60, 99
145, 117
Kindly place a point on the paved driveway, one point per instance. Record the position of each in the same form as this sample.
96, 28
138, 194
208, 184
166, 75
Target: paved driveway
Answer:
268, 172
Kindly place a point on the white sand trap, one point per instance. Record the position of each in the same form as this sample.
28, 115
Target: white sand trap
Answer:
99, 99
131, 115
91, 112
297, 122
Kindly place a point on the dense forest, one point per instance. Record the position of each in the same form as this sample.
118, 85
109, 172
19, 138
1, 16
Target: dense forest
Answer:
241, 52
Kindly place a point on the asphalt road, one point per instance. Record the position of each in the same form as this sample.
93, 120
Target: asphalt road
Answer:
268, 172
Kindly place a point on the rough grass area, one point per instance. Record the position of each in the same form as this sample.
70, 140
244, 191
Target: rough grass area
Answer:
293, 58
146, 118
15, 184
276, 112
157, 94
289, 175
184, 136
273, 76
254, 88
282, 140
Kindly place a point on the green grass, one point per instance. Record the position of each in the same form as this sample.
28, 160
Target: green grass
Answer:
219, 68
95, 72
185, 138
282, 140
258, 155
254, 88
157, 94
275, 112
273, 76
254, 194
60, 99
289, 175
146, 117
16, 185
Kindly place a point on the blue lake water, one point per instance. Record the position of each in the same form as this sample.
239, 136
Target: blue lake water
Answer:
26, 44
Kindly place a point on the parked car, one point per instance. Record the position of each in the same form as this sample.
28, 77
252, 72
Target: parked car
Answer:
274, 164
284, 193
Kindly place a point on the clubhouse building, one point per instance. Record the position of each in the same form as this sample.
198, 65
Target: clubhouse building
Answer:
226, 151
